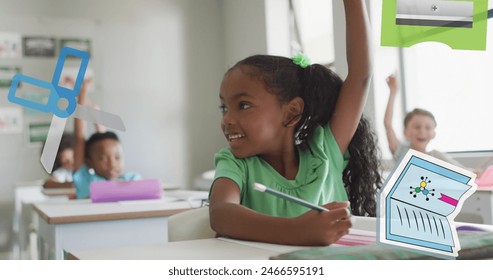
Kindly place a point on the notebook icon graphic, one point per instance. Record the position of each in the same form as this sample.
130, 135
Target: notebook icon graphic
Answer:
419, 202
435, 13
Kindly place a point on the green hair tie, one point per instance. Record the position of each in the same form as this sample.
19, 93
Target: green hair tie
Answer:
302, 60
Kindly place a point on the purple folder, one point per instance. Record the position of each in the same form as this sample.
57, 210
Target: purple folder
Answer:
110, 191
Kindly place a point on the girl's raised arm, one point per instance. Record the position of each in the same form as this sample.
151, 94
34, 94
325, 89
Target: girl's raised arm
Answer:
354, 91
79, 131
389, 112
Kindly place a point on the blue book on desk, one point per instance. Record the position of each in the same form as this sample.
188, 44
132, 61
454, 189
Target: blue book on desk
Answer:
476, 245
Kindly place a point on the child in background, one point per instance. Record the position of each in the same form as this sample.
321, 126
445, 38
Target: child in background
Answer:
296, 128
98, 159
63, 167
419, 129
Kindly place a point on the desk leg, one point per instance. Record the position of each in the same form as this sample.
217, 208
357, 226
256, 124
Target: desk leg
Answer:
41, 248
48, 245
16, 251
478, 208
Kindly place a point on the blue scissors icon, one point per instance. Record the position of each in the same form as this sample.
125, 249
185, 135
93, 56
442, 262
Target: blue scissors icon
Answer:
62, 103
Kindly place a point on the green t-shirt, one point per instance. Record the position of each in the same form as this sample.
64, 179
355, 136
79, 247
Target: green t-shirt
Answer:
319, 178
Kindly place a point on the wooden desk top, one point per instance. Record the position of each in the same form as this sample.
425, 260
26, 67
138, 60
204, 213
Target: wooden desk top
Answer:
76, 211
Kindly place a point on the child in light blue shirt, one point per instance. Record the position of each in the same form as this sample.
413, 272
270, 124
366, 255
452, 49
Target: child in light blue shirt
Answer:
104, 161
98, 159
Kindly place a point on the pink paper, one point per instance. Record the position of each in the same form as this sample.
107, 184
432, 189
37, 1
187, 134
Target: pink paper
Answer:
110, 191
486, 180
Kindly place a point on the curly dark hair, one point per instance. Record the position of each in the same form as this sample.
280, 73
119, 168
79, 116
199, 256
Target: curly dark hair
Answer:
319, 87
67, 142
97, 137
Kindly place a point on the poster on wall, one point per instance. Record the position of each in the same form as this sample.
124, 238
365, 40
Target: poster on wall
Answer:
35, 94
6, 74
69, 75
10, 120
77, 43
38, 46
37, 133
10, 45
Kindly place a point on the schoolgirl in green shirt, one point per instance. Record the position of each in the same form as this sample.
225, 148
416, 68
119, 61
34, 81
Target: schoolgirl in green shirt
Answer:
297, 128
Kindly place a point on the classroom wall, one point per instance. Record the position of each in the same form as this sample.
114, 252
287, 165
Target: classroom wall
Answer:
157, 65
144, 58
255, 27
243, 35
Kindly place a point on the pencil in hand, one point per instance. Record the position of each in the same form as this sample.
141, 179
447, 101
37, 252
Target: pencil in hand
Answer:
262, 188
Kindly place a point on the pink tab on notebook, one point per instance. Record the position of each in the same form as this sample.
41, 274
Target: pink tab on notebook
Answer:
110, 191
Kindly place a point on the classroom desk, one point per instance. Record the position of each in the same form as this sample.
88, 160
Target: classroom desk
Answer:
81, 224
25, 195
201, 249
205, 249
216, 248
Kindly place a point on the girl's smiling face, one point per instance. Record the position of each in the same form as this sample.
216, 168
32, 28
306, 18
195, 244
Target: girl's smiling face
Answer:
253, 119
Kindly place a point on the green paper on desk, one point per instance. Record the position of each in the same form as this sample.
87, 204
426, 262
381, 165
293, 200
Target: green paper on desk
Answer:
475, 245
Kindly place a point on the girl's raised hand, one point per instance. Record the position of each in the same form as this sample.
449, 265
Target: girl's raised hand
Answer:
392, 83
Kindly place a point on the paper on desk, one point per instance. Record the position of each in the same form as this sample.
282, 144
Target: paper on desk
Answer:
266, 246
354, 238
188, 194
419, 202
148, 201
357, 237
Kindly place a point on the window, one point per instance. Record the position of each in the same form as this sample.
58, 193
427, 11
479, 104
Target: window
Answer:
455, 85
312, 30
